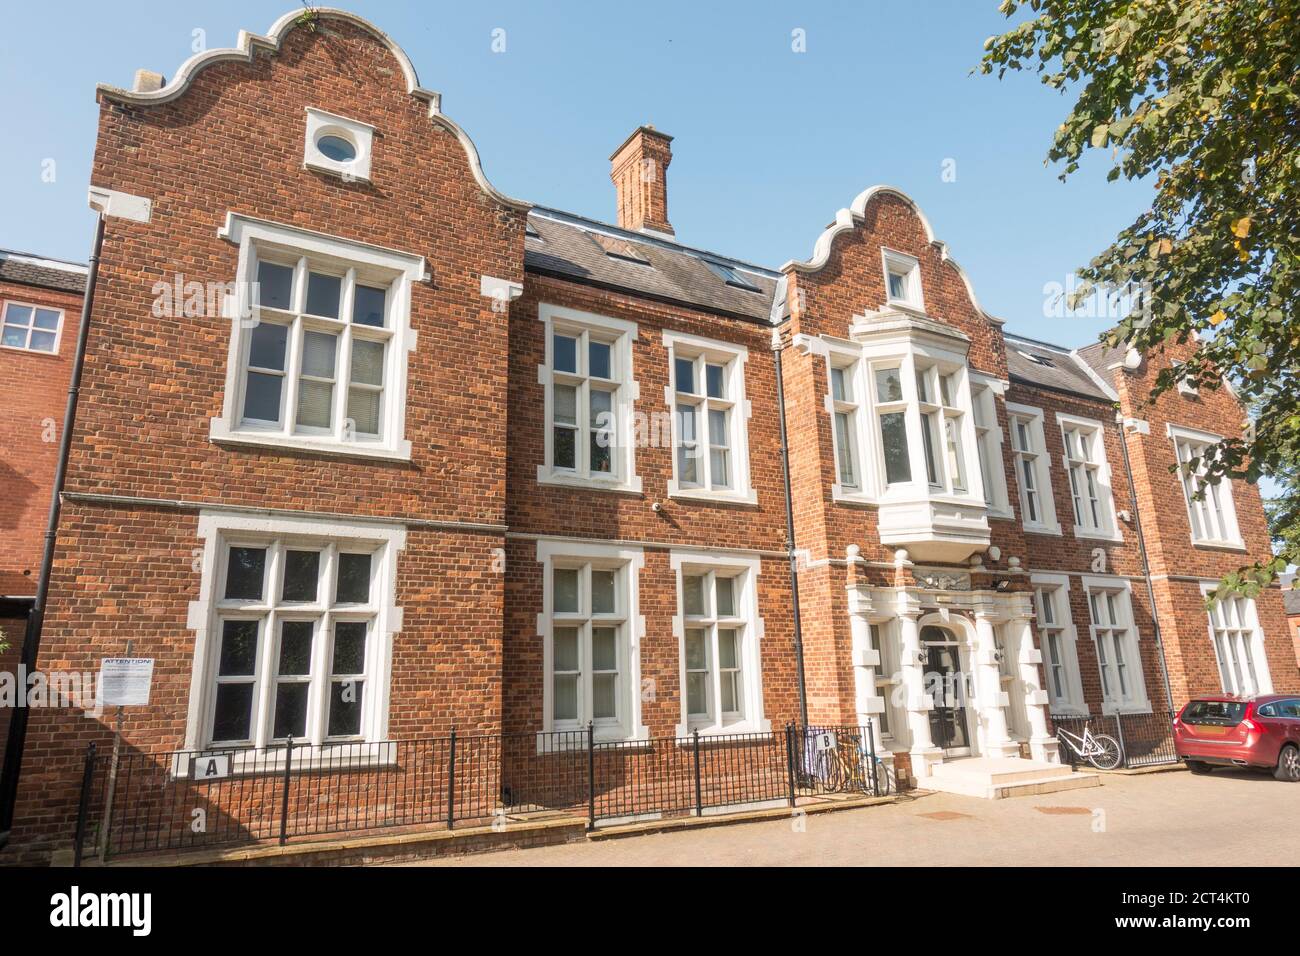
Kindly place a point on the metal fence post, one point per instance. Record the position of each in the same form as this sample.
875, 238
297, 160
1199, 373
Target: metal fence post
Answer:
871, 755
699, 795
1119, 732
83, 806
591, 776
451, 781
789, 759
284, 802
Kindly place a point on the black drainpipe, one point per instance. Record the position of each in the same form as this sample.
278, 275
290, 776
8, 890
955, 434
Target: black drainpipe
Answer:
789, 533
17, 738
1146, 566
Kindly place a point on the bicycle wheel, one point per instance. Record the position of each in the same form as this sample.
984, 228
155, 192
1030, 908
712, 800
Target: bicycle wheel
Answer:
1108, 754
883, 783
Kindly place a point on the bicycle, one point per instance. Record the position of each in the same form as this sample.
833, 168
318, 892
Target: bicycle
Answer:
846, 766
1102, 751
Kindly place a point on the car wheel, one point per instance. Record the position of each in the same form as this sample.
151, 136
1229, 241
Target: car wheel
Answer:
1195, 766
1288, 765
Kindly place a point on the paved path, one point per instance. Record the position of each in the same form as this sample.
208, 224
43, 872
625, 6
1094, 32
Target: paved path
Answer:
1161, 819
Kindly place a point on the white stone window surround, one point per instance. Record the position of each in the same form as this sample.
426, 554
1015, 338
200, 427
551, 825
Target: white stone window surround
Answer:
620, 334
1039, 465
321, 124
399, 270
745, 572
733, 359
1229, 628
1071, 703
908, 268
1220, 508
630, 561
990, 442
1095, 433
219, 531
1135, 701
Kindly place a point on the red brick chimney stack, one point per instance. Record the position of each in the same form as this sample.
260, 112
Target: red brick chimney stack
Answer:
639, 169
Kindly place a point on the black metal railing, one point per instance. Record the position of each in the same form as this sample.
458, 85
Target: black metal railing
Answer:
138, 802
1145, 740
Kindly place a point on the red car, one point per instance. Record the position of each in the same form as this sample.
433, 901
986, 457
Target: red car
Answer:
1259, 732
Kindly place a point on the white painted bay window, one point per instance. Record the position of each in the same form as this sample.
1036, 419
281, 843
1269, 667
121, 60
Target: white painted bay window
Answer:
1210, 507
844, 415
891, 418
710, 419
319, 344
589, 391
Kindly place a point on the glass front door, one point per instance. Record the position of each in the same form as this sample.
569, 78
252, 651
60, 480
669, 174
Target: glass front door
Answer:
946, 682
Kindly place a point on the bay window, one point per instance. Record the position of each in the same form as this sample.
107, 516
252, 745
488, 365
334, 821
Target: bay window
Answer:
891, 415
844, 411
1210, 508
710, 419
589, 389
319, 343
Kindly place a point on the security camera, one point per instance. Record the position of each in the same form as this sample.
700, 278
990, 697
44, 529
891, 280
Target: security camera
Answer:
656, 507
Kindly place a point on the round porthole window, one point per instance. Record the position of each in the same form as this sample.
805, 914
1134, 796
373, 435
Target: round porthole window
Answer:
336, 148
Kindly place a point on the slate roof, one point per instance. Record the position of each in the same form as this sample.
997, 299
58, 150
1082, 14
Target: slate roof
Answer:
580, 249
1291, 598
1101, 358
26, 269
1050, 366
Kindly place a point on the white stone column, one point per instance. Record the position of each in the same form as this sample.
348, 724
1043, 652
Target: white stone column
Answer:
919, 704
1042, 744
992, 698
868, 705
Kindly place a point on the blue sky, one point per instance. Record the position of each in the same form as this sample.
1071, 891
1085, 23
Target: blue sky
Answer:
769, 142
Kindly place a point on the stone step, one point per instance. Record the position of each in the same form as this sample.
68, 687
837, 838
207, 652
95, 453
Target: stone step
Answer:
996, 778
1000, 770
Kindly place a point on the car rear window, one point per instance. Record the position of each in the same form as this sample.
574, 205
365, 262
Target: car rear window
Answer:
1225, 713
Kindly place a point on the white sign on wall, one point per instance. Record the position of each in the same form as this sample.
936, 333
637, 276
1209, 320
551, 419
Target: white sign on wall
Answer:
124, 681
211, 767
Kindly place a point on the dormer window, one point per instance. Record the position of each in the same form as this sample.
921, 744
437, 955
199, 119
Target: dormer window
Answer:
902, 280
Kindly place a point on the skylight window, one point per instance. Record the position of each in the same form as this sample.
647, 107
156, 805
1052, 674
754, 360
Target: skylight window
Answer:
620, 249
1037, 359
730, 276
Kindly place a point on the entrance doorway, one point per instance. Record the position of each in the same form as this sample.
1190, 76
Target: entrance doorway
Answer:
946, 683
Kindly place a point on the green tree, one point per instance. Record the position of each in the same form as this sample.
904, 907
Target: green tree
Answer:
1200, 98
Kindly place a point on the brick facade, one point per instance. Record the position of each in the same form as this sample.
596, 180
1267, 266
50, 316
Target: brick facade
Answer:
470, 644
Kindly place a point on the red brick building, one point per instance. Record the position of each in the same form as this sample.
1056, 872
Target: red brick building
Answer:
368, 450
40, 308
